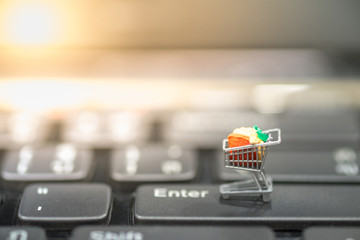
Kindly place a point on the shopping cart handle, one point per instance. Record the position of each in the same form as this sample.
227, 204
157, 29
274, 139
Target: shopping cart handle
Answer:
273, 141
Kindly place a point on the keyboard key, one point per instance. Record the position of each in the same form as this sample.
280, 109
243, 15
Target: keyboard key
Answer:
22, 233
301, 130
153, 163
206, 129
292, 206
62, 162
319, 130
340, 165
19, 128
332, 233
104, 130
65, 205
174, 233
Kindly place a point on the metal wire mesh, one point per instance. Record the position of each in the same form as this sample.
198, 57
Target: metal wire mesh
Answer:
246, 158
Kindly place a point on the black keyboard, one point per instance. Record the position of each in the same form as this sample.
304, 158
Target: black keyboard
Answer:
134, 175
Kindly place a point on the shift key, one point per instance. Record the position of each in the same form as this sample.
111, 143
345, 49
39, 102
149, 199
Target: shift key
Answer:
292, 207
172, 232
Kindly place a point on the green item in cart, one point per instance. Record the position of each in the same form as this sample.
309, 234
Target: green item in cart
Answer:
263, 136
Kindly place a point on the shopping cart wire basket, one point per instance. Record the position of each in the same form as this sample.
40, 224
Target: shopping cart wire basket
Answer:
250, 158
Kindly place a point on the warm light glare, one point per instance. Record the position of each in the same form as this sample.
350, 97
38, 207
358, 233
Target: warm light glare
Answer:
32, 23
273, 98
41, 95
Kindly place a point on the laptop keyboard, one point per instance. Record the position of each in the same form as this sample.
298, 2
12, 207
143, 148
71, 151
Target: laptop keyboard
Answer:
122, 175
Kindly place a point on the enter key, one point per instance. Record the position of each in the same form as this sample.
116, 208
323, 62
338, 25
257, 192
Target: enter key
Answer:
292, 206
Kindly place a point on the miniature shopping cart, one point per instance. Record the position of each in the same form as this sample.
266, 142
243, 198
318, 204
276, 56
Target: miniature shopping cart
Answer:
250, 158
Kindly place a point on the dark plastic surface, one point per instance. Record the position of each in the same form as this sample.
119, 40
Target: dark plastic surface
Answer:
153, 163
332, 233
292, 206
62, 205
338, 165
174, 233
22, 233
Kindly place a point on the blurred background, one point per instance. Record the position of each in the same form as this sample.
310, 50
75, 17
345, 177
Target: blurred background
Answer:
130, 92
108, 73
148, 53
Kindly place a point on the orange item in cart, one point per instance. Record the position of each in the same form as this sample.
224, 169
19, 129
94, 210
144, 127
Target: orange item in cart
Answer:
238, 140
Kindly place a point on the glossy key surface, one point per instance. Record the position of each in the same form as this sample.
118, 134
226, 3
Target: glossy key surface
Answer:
64, 205
175, 233
22, 128
106, 129
153, 163
319, 125
338, 165
332, 233
206, 129
22, 233
60, 162
291, 207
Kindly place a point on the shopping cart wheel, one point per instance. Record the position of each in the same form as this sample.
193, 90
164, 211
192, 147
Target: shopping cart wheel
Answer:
266, 197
